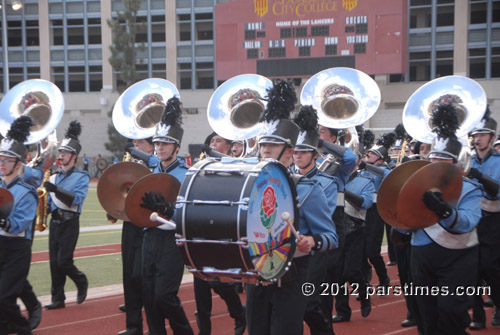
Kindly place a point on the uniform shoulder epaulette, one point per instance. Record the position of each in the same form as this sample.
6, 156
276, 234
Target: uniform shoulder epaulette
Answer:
81, 171
495, 153
26, 185
322, 174
307, 181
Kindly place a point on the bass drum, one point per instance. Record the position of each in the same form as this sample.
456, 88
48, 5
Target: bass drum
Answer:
229, 224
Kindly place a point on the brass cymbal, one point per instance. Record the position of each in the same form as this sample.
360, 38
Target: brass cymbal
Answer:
162, 183
441, 176
114, 185
6, 202
389, 191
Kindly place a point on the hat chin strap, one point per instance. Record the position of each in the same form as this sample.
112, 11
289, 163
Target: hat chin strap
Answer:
169, 158
12, 170
69, 160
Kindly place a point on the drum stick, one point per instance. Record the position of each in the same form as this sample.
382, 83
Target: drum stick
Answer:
285, 216
155, 217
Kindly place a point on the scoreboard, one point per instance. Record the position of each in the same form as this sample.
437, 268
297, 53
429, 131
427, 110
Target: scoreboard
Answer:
298, 38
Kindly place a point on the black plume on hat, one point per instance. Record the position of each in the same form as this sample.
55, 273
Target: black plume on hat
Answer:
13, 144
169, 129
281, 100
387, 140
307, 120
74, 130
278, 128
368, 138
20, 129
401, 134
445, 121
71, 142
172, 116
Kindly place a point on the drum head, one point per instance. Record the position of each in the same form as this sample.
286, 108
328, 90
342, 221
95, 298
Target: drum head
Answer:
270, 239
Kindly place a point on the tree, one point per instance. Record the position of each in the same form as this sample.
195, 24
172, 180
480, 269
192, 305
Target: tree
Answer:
124, 29
123, 59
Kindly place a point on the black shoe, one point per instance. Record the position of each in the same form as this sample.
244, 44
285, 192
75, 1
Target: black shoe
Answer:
340, 318
122, 308
35, 315
408, 323
495, 321
82, 290
488, 303
56, 305
391, 263
131, 331
476, 325
240, 323
366, 307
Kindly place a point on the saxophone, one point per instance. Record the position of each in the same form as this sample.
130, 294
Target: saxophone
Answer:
42, 210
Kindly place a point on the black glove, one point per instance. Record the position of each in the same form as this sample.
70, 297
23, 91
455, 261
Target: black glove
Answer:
362, 165
435, 202
50, 187
110, 218
5, 211
474, 174
490, 185
156, 202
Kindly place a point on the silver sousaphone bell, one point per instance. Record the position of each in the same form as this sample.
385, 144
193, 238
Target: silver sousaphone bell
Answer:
37, 98
344, 99
465, 94
139, 108
44, 103
235, 108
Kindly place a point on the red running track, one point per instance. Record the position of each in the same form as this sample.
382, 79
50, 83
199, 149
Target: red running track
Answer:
101, 315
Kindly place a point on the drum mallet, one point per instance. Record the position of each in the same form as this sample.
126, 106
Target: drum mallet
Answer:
285, 216
155, 217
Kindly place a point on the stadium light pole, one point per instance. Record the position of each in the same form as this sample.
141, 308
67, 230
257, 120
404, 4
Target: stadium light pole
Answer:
16, 5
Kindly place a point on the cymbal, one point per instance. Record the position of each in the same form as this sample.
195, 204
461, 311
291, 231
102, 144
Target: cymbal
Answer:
114, 185
162, 183
441, 176
389, 191
6, 202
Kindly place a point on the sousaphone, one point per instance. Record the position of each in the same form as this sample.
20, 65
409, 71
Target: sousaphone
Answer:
400, 194
235, 108
139, 108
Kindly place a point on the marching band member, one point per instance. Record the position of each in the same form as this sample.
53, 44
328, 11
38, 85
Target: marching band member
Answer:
141, 150
34, 177
346, 160
376, 156
485, 169
359, 192
162, 263
238, 149
16, 228
306, 153
279, 308
227, 291
445, 255
67, 189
